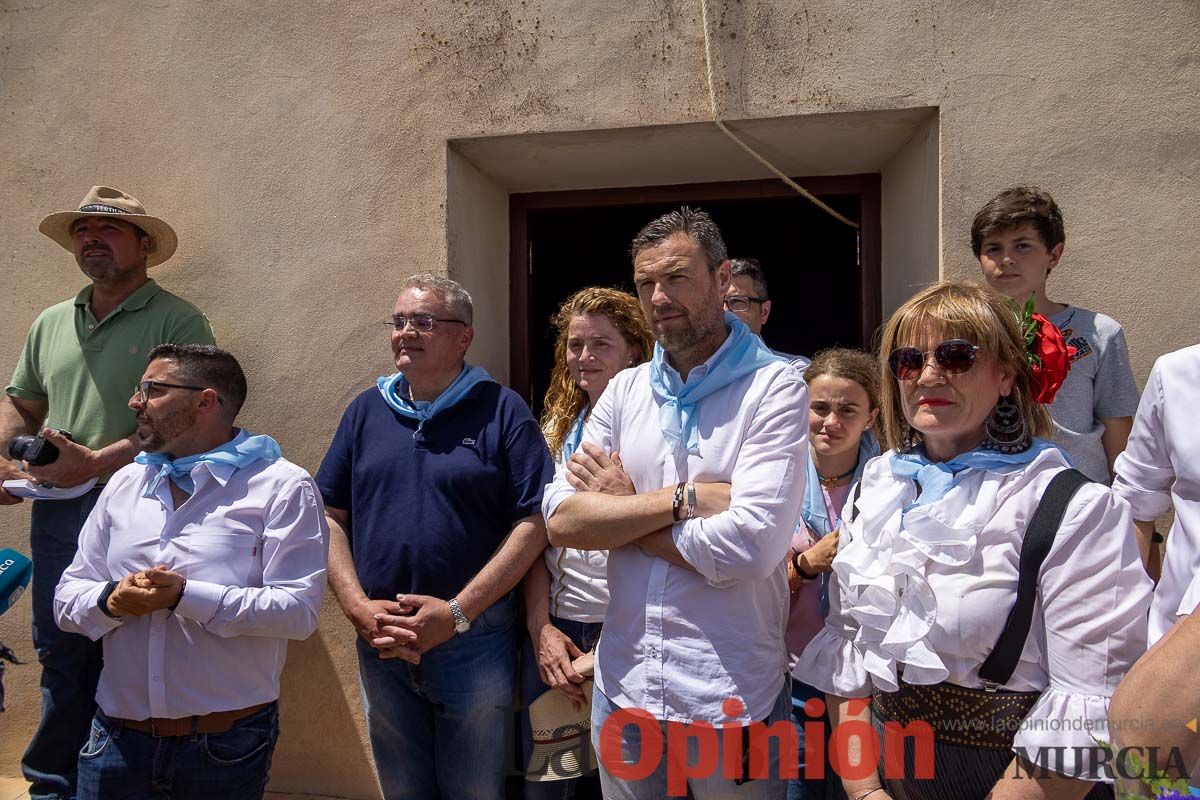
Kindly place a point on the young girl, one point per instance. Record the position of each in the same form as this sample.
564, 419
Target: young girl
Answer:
843, 401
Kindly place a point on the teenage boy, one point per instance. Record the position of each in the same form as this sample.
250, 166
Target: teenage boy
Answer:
1018, 238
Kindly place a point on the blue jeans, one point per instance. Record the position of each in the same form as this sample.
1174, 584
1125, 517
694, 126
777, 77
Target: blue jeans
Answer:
584, 635
117, 762
442, 728
804, 788
70, 663
713, 787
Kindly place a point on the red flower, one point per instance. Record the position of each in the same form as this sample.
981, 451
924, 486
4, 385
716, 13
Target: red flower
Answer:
1051, 360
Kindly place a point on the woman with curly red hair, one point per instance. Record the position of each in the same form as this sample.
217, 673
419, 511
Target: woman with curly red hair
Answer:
600, 332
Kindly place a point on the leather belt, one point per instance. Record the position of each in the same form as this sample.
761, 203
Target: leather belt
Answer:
216, 722
957, 714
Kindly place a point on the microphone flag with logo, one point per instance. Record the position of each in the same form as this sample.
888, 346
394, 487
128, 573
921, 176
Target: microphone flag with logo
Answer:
15, 572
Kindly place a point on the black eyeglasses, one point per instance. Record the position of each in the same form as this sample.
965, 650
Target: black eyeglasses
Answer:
145, 388
421, 322
953, 357
741, 302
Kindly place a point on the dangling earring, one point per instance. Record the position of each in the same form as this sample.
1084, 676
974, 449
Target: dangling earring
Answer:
1006, 429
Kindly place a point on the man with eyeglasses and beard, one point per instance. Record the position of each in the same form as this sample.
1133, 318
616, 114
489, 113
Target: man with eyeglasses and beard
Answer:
433, 488
197, 565
747, 297
79, 360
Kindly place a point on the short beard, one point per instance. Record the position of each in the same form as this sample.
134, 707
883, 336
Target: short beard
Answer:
99, 270
165, 430
699, 331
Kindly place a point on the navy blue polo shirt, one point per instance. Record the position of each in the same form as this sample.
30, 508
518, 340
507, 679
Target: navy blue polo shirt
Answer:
427, 515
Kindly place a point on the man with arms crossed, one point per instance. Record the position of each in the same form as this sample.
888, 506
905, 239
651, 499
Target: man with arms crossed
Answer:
692, 476
197, 565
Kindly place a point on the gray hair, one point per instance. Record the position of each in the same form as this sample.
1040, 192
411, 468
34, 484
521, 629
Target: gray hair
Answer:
694, 223
452, 292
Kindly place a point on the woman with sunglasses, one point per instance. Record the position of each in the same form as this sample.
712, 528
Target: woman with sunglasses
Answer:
926, 578
600, 332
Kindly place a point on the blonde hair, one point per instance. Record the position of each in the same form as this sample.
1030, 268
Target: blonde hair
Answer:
952, 310
564, 398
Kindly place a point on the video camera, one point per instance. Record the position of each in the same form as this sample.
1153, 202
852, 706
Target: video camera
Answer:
34, 450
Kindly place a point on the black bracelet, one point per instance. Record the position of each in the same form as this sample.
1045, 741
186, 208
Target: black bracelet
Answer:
800, 570
102, 602
677, 505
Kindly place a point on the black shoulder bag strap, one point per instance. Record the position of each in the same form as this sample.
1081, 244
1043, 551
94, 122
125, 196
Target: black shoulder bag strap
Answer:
854, 500
1039, 536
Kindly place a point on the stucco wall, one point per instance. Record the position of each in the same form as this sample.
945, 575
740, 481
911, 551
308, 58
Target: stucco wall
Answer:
300, 151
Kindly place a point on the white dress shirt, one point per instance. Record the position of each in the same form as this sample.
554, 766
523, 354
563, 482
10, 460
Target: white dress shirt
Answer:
1160, 468
933, 597
251, 543
677, 643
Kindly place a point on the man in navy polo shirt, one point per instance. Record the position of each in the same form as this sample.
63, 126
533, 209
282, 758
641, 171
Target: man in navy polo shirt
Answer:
433, 487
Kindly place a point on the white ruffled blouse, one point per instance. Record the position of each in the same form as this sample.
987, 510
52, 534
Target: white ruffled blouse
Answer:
927, 590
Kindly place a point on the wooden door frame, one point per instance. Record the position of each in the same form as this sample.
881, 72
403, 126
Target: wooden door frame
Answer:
865, 185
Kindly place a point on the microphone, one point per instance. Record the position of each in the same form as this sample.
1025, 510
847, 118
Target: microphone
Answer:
15, 572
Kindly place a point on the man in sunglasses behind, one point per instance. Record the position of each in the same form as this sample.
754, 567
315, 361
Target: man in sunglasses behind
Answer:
198, 563
747, 297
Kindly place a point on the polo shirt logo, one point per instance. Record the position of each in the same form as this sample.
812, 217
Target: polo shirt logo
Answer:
468, 441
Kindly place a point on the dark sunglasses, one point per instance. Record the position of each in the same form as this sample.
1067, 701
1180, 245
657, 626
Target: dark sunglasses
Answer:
953, 357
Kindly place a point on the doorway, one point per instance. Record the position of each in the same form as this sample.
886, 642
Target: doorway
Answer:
823, 275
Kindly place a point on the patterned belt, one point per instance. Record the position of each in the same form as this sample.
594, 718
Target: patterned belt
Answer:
216, 722
958, 715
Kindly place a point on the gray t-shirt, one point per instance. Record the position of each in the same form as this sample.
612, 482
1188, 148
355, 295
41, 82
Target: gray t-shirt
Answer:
1100, 385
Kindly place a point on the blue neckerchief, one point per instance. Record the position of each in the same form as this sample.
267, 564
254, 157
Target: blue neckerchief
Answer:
741, 354
239, 451
394, 389
816, 515
574, 436
937, 477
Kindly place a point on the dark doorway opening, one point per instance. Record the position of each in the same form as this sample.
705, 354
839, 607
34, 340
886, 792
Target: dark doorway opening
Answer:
824, 276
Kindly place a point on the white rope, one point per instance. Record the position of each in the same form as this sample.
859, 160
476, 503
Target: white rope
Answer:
712, 97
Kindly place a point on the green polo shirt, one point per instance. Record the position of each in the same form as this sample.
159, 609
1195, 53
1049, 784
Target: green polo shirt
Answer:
87, 370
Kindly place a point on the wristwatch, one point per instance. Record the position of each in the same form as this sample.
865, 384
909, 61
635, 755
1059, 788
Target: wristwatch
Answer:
461, 623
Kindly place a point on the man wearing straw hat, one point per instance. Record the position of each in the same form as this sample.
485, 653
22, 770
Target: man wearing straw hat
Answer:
81, 360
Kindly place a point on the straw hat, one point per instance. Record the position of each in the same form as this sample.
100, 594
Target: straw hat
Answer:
562, 737
103, 201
